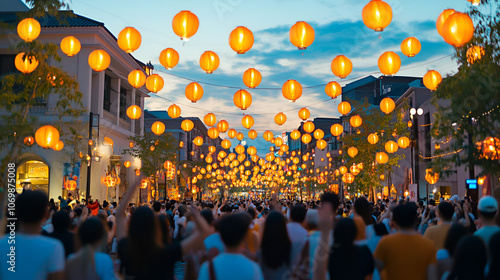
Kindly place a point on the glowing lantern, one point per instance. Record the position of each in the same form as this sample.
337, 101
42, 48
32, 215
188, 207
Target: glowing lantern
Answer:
432, 79
241, 39
348, 178
232, 133
29, 140
306, 138
372, 138
403, 142
442, 19
109, 181
490, 147
252, 78
354, 170
70, 46
308, 127
47, 136
222, 126
194, 92
321, 144
336, 129
431, 177
474, 53
381, 158
127, 164
131, 144
28, 29
304, 114
209, 62
391, 147
154, 83
333, 89
278, 141
389, 63
187, 125
252, 150
341, 66
252, 134
352, 151
411, 46
242, 99
240, 136
70, 185
239, 149
355, 121
198, 141
377, 15
318, 134
247, 121
301, 35
158, 128
169, 58
174, 111
129, 39
292, 90
268, 135
58, 146
295, 134
209, 119
387, 105
226, 144
27, 65
134, 112
343, 170
136, 78
280, 119
213, 132
344, 108
458, 29
99, 60
185, 24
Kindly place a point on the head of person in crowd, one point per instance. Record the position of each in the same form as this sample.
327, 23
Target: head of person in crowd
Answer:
380, 229
182, 210
494, 249
445, 211
156, 207
487, 209
208, 216
469, 259
298, 213
233, 229
312, 220
166, 233
362, 208
61, 221
276, 245
333, 199
404, 216
31, 210
454, 235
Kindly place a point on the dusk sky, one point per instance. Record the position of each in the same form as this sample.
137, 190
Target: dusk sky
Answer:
338, 27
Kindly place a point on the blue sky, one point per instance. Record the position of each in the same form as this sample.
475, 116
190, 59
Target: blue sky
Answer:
339, 30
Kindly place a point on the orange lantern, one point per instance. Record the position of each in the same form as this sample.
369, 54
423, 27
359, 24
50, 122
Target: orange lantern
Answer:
391, 147
341, 66
278, 141
241, 40
194, 92
129, 39
226, 144
252, 134
252, 78
247, 121
222, 126
301, 35
321, 144
377, 15
198, 141
109, 181
174, 111
29, 140
70, 185
239, 149
387, 105
99, 60
169, 58
213, 132
252, 150
381, 158
306, 138
458, 29
474, 53
70, 46
432, 79
431, 177
318, 134
344, 108
134, 112
352, 151
372, 138
185, 24
240, 136
343, 170
212, 149
295, 134
304, 114
442, 19
28, 29
136, 78
187, 125
232, 133
158, 128
280, 119
333, 89
348, 178
242, 99
403, 142
47, 136
389, 63
308, 127
58, 146
411, 46
209, 62
209, 119
336, 129
26, 65
268, 135
355, 121
154, 83
292, 90
127, 164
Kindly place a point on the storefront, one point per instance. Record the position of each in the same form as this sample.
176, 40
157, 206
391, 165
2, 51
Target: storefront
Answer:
32, 175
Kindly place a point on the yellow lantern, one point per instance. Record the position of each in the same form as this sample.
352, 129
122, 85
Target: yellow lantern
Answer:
336, 129
292, 90
58, 146
308, 127
154, 83
306, 138
28, 29
295, 134
391, 147
389, 63
333, 89
70, 46
198, 141
240, 149
432, 79
252, 134
344, 108
431, 177
47, 136
242, 99
174, 111
213, 132
355, 121
403, 142
134, 112
187, 125
252, 78
458, 29
387, 105
352, 151
377, 15
209, 119
411, 46
474, 53
240, 136
341, 66
129, 39
304, 114
222, 126
169, 58
321, 144
232, 133
241, 39
280, 119
226, 144
194, 92
185, 24
247, 121
381, 158
136, 78
209, 61
26, 65
301, 35
373, 138
442, 19
158, 128
99, 60
318, 134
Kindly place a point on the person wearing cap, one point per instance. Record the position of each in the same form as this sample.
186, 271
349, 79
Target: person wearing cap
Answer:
487, 209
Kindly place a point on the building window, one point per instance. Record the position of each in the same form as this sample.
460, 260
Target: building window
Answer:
123, 102
7, 65
107, 93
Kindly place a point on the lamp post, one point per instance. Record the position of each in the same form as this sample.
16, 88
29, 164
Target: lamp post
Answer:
93, 123
414, 113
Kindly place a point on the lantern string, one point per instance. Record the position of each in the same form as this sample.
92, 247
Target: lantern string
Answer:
442, 155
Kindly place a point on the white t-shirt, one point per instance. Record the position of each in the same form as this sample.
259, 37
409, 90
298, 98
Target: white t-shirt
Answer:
36, 256
232, 266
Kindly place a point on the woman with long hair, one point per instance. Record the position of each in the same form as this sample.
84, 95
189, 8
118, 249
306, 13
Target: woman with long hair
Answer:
87, 263
469, 259
363, 219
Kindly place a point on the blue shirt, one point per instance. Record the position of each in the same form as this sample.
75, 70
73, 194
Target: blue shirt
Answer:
232, 266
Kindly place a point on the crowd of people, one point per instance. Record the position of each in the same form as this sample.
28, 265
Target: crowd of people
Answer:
239, 238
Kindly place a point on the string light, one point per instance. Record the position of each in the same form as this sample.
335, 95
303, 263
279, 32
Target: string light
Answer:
442, 155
